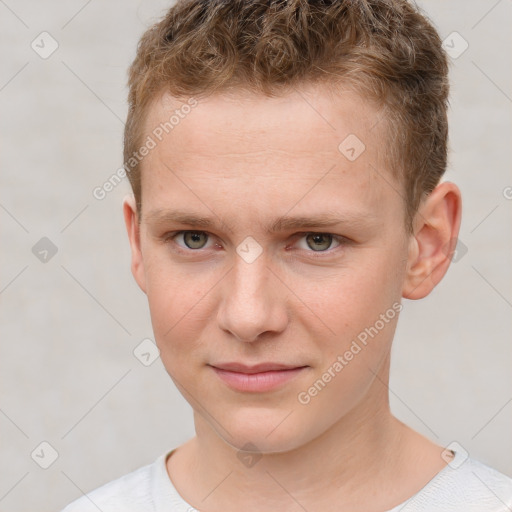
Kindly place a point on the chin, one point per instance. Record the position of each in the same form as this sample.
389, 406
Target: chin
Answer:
263, 429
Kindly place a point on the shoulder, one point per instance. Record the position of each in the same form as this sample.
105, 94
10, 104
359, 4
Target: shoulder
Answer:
131, 492
465, 485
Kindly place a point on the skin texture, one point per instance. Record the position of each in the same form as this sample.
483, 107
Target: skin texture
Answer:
245, 160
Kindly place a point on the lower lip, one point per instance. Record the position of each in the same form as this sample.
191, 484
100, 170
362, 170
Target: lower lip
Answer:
257, 382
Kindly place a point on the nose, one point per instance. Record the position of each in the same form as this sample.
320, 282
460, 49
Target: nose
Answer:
253, 301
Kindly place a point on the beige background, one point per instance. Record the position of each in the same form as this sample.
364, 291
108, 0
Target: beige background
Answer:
70, 325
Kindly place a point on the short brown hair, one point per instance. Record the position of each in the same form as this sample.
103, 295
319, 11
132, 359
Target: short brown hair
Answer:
386, 50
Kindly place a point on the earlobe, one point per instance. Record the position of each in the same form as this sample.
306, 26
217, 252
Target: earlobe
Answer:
133, 229
432, 245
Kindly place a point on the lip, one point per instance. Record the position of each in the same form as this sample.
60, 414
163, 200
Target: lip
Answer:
257, 368
257, 378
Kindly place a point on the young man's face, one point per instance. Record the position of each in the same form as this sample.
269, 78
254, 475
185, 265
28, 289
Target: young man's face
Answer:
297, 296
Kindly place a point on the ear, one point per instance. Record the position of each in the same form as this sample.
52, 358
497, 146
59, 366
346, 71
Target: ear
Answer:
433, 242
133, 229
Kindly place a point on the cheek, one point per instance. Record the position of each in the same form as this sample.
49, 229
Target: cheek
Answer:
173, 298
355, 313
363, 317
350, 298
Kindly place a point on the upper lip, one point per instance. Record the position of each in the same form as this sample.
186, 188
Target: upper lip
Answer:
257, 368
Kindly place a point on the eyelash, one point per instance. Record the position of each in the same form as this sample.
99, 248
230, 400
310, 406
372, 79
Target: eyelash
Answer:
342, 241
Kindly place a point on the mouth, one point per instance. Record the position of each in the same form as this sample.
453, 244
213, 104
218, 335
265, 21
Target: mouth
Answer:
257, 378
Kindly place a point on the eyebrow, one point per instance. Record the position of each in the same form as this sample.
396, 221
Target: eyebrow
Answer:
284, 223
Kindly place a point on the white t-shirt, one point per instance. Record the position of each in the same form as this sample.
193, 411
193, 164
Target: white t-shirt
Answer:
465, 485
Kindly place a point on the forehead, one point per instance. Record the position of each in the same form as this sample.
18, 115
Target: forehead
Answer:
327, 146
244, 121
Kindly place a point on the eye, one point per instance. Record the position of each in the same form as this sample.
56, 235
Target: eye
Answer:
320, 242
197, 240
193, 240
